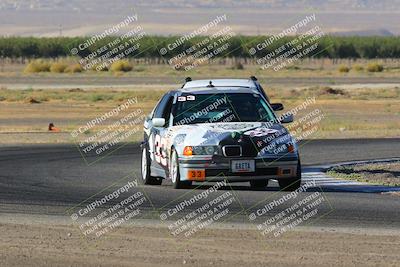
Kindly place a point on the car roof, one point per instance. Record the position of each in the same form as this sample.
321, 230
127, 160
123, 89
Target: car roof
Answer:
220, 89
221, 83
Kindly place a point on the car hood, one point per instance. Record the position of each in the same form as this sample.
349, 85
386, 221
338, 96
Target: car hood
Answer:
264, 136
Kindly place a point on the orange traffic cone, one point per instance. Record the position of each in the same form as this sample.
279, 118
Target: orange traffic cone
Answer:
52, 128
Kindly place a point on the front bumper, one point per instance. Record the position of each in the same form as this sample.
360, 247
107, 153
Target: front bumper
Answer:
278, 167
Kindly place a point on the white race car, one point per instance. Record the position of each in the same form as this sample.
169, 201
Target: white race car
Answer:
213, 130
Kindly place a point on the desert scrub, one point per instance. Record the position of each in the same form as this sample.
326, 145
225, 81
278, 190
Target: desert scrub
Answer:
358, 67
36, 66
237, 66
101, 97
375, 67
58, 67
344, 69
121, 66
100, 68
74, 68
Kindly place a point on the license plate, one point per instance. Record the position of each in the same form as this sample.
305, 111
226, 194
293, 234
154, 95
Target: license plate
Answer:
243, 165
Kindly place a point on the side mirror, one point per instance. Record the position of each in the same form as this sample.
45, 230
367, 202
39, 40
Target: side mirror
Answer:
158, 122
276, 106
287, 119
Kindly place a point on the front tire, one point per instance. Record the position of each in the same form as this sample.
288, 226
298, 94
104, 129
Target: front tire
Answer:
145, 168
291, 184
174, 172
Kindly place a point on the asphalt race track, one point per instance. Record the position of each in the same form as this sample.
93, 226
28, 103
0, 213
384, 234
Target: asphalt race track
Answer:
54, 179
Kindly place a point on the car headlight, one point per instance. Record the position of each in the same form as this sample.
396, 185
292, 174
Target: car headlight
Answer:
200, 150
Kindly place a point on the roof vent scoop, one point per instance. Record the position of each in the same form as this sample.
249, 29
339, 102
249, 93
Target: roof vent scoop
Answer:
187, 79
210, 84
253, 78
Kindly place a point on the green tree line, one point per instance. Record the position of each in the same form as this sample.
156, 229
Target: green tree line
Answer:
239, 46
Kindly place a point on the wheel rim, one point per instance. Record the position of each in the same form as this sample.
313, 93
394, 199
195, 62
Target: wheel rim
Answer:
174, 168
144, 164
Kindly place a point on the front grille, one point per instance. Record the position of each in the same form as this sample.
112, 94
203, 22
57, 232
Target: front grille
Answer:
258, 172
232, 151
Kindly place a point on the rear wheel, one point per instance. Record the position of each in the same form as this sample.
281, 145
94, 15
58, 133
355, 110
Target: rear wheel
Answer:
146, 177
292, 183
259, 184
174, 173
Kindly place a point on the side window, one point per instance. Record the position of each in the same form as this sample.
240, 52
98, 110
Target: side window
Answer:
168, 108
159, 110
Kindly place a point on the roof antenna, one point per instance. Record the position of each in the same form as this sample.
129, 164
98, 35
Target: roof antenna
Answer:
210, 84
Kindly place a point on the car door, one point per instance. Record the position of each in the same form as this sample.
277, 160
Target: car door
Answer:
157, 139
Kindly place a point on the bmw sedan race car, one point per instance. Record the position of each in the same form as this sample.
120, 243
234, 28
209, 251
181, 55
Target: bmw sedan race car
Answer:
219, 130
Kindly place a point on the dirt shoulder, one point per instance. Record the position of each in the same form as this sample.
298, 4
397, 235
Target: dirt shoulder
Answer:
374, 173
26, 114
63, 245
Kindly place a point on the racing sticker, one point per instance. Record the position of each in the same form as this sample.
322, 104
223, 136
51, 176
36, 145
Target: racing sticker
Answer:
258, 132
181, 98
160, 151
190, 98
227, 127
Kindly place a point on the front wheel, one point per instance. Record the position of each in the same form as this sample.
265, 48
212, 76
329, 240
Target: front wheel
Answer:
174, 173
292, 183
146, 177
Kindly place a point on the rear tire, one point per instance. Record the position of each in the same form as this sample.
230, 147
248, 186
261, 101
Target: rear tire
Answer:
259, 184
174, 172
145, 164
291, 184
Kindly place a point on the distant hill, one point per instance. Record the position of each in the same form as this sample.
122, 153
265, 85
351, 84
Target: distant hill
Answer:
377, 32
331, 5
172, 17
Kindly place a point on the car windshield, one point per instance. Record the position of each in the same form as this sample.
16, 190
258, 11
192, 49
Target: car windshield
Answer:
210, 108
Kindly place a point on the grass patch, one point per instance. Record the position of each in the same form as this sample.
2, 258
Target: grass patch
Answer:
237, 66
387, 174
79, 95
346, 173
